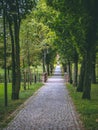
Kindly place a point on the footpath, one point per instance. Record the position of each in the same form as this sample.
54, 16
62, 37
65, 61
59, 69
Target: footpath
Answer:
51, 108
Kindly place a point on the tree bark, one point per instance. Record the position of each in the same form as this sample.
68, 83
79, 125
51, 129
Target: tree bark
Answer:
81, 77
17, 75
75, 73
48, 70
75, 70
70, 72
13, 58
43, 60
87, 77
93, 68
5, 54
24, 75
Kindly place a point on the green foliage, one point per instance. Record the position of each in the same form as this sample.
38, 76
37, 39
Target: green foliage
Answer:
76, 27
36, 35
88, 110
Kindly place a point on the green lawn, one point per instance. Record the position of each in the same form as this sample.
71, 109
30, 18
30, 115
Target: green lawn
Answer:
5, 112
88, 109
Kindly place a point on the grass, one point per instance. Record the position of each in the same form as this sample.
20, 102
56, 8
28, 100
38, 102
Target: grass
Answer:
1, 71
88, 110
5, 112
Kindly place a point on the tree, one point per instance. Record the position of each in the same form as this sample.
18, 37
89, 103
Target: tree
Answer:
82, 32
16, 10
91, 38
38, 38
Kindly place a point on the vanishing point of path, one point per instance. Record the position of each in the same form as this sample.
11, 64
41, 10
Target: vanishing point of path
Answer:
49, 109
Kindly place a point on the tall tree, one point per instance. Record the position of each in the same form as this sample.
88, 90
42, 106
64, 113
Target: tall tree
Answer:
91, 40
85, 14
16, 10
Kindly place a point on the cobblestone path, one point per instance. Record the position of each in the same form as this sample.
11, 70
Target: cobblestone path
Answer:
50, 109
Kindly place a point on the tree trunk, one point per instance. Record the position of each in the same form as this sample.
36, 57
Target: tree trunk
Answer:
48, 71
93, 68
14, 26
75, 73
87, 77
43, 60
81, 77
5, 54
24, 75
90, 47
30, 76
17, 58
51, 69
70, 72
13, 58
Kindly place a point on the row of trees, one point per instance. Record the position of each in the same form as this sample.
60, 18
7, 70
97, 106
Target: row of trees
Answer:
27, 41
12, 12
34, 30
77, 29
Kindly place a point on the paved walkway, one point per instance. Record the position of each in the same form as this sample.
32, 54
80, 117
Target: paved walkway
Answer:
50, 109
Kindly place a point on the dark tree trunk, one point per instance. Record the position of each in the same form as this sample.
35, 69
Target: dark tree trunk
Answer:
29, 70
75, 69
93, 69
30, 76
43, 60
81, 77
64, 67
87, 77
48, 70
70, 72
5, 54
14, 26
13, 58
51, 69
75, 73
91, 40
17, 58
24, 75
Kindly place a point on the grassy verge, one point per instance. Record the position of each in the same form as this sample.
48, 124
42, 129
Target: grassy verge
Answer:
88, 109
5, 112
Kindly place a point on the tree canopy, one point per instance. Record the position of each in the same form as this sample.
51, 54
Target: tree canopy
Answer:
38, 30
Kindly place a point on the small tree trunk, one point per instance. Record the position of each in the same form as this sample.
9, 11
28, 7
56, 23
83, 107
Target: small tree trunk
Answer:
43, 60
70, 72
28, 79
51, 69
48, 71
30, 76
75, 73
24, 75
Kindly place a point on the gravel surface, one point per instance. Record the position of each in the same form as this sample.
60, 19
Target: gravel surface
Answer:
50, 108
